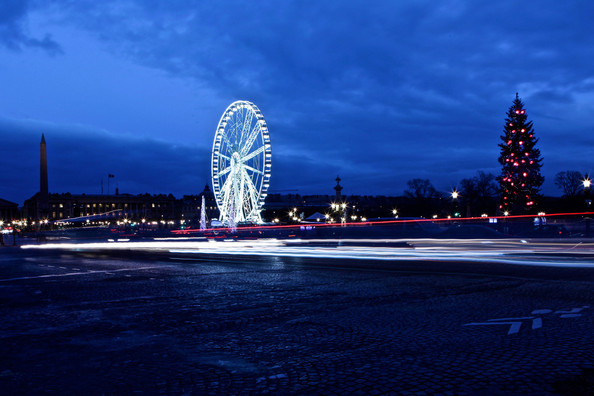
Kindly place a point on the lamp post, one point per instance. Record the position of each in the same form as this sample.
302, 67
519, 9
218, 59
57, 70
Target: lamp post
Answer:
587, 184
455, 194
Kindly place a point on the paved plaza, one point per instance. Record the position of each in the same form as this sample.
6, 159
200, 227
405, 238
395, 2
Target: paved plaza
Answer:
87, 323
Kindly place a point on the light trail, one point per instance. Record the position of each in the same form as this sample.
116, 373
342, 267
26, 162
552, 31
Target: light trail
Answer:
519, 252
383, 222
75, 274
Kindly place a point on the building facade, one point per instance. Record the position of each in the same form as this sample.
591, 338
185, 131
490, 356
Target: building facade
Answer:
135, 207
8, 211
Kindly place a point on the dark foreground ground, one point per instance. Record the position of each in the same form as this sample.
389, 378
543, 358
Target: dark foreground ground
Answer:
106, 325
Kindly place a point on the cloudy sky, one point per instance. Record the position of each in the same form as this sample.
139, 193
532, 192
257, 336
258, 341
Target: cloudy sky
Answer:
377, 92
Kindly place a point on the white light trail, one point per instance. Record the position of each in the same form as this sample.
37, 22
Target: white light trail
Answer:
480, 251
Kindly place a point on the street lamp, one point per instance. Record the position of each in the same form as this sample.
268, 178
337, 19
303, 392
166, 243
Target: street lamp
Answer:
587, 184
455, 194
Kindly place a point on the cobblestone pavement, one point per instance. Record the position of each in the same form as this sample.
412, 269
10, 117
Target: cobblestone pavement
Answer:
103, 325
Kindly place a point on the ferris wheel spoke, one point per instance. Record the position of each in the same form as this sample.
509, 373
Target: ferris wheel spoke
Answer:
226, 187
252, 169
253, 154
250, 199
253, 190
239, 199
251, 138
227, 142
247, 122
218, 153
225, 201
224, 171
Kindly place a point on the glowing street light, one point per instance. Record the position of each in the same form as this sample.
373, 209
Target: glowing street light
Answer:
455, 194
586, 182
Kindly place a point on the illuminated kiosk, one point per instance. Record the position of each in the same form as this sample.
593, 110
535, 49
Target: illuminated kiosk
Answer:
241, 163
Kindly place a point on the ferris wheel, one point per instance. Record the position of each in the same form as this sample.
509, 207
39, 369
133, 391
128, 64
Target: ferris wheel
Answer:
241, 163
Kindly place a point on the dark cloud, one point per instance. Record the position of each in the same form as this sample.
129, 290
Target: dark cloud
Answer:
378, 92
13, 32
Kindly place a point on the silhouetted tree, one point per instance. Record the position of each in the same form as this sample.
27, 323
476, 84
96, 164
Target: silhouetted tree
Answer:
569, 182
420, 189
520, 178
423, 198
478, 193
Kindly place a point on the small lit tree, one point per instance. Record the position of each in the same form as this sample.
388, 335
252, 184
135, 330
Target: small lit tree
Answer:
520, 178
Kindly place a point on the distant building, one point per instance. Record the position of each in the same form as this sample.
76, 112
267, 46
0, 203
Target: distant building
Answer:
138, 207
8, 210
191, 206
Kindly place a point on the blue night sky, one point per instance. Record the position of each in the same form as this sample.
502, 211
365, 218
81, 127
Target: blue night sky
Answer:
378, 92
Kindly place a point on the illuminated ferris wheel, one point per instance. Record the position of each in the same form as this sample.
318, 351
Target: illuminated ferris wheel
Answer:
241, 163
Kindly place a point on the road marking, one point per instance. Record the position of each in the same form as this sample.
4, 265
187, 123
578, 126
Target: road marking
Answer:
513, 328
516, 323
536, 323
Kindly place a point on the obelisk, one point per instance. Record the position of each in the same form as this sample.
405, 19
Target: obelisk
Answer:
43, 209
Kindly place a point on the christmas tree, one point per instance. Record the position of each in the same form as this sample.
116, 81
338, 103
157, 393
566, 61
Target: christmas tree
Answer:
520, 161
